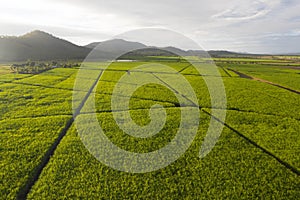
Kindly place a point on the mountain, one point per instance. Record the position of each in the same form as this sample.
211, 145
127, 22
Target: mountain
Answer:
176, 51
145, 53
38, 45
116, 47
223, 53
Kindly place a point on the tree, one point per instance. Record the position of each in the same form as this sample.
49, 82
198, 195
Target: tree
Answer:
32, 64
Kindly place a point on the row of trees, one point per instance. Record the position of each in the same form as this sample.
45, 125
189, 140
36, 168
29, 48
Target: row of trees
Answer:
31, 67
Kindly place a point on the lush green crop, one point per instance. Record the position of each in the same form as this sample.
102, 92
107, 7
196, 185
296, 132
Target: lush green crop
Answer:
234, 169
43, 80
9, 77
252, 159
23, 144
254, 96
19, 101
281, 75
280, 135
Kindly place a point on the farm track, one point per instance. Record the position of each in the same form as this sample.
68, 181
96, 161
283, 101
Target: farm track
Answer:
22, 194
184, 68
37, 172
174, 90
243, 75
226, 72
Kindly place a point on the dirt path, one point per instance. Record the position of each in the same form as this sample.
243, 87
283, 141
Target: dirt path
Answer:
242, 75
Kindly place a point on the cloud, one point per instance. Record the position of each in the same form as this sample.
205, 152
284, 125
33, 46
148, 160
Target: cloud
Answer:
235, 25
247, 10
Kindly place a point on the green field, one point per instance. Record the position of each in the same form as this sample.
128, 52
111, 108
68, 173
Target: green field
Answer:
256, 157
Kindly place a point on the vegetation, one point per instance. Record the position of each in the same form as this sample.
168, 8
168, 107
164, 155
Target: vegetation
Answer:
38, 45
257, 155
285, 75
31, 67
233, 170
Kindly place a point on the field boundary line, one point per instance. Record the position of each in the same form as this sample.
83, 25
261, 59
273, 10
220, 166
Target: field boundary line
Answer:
176, 104
243, 75
37, 116
22, 194
184, 68
223, 68
174, 90
17, 79
48, 87
284, 163
41, 86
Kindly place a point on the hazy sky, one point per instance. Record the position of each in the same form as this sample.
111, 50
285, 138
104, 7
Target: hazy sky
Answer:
258, 26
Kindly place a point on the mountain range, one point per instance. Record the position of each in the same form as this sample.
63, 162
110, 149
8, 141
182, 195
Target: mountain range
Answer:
39, 45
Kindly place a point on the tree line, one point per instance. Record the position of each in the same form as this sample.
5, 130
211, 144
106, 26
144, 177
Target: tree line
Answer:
31, 67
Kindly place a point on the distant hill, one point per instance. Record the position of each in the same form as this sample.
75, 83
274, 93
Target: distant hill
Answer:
39, 45
142, 54
222, 53
116, 46
176, 51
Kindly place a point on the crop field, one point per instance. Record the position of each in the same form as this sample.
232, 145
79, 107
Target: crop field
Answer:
256, 157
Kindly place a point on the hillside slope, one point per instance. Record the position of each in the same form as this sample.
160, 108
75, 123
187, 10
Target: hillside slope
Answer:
38, 45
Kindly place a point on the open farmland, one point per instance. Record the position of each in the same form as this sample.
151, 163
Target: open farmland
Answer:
257, 155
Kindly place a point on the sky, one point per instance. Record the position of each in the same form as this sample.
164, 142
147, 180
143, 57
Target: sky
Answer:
254, 26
